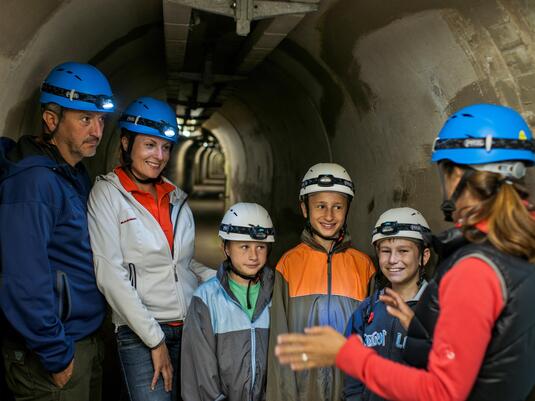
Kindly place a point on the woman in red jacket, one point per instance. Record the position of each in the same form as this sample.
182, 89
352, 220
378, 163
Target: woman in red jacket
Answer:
473, 333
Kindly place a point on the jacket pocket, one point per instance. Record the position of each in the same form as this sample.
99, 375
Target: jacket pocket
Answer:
64, 296
132, 274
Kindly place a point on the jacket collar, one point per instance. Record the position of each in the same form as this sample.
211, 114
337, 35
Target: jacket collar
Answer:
30, 152
176, 197
267, 278
447, 242
339, 246
420, 291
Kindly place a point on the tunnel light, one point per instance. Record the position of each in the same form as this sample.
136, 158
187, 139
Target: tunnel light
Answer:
205, 144
179, 121
186, 133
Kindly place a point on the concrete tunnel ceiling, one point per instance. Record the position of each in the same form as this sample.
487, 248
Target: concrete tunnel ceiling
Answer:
365, 84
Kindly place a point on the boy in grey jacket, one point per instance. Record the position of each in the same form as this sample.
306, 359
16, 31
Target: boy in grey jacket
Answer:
225, 338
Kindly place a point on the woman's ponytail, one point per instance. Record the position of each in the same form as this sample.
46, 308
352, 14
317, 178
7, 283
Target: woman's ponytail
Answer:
504, 205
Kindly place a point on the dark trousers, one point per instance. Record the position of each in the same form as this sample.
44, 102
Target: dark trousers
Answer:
29, 381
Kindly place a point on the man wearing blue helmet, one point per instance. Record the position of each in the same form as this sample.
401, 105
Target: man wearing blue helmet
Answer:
142, 235
48, 291
472, 335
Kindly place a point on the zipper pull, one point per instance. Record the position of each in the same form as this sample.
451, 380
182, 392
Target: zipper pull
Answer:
174, 272
370, 317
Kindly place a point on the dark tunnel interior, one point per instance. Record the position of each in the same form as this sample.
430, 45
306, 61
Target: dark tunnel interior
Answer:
366, 84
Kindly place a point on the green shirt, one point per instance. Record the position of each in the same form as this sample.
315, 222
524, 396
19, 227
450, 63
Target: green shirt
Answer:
240, 292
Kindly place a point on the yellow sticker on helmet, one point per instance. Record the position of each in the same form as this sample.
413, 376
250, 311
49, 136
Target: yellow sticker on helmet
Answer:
522, 135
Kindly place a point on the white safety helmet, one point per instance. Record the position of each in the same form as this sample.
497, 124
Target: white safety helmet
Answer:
247, 222
323, 177
402, 222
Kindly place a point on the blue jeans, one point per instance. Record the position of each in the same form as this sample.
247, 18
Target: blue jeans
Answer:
137, 366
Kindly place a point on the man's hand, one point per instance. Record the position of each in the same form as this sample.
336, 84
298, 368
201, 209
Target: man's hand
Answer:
60, 379
162, 365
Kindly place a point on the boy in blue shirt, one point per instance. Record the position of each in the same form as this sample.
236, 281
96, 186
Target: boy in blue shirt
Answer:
402, 252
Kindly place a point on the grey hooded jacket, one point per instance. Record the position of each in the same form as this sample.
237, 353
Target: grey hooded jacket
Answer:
224, 353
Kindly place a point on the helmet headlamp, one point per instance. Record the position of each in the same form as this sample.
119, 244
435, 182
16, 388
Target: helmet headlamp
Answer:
165, 129
257, 233
327, 180
105, 103
102, 102
169, 132
393, 227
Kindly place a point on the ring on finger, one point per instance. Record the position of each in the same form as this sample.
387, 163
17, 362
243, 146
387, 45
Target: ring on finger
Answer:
304, 357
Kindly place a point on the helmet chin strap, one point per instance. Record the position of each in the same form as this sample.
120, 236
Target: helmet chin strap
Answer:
143, 181
448, 205
253, 278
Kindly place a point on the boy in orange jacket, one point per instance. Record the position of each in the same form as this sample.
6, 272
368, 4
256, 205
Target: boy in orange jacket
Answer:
319, 282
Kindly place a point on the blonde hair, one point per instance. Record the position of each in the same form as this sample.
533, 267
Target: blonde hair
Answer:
504, 205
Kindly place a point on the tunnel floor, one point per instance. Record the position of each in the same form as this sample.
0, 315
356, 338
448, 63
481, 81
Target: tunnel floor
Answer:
208, 214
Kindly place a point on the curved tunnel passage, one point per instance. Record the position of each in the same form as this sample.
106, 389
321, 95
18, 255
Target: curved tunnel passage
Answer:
365, 84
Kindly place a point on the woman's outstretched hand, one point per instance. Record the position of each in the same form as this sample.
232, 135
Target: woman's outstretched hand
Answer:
397, 307
316, 348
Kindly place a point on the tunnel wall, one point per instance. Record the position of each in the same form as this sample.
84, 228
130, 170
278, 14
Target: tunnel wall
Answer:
363, 83
276, 132
122, 38
366, 84
369, 84
248, 155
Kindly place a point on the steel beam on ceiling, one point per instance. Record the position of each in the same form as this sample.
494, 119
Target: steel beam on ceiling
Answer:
176, 29
245, 11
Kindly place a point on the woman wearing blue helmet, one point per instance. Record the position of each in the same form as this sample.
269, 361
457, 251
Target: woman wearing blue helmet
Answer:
472, 335
142, 236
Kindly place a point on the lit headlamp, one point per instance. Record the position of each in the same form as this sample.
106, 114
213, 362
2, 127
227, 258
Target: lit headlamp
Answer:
163, 128
102, 102
168, 131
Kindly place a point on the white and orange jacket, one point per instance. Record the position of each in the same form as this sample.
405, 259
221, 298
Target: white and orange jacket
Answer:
142, 280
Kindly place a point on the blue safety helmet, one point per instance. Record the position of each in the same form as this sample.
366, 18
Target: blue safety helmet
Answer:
150, 116
484, 137
79, 87
483, 134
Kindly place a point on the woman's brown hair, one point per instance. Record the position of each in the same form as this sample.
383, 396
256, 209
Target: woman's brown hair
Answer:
504, 205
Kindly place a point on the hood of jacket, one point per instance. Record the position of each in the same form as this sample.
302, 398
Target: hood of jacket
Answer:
267, 277
339, 246
29, 152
